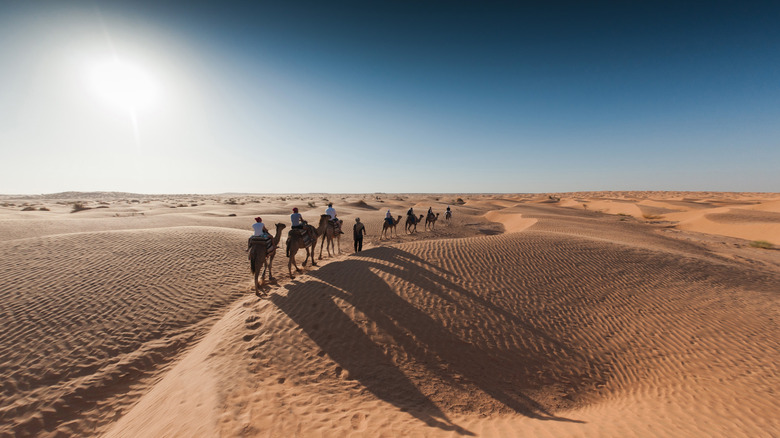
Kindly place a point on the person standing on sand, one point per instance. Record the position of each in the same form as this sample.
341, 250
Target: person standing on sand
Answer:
358, 230
296, 219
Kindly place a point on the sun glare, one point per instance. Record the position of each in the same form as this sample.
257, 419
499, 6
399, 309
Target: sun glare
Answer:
124, 85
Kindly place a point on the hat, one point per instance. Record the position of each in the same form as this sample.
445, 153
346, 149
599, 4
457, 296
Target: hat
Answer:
258, 219
357, 219
295, 209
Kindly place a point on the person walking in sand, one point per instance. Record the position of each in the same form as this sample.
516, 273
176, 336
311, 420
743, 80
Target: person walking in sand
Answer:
297, 220
358, 231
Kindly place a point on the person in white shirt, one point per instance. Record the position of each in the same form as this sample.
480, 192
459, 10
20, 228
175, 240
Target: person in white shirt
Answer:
332, 213
296, 219
259, 227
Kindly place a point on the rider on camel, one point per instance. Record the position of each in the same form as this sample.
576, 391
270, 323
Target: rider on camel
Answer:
332, 213
297, 220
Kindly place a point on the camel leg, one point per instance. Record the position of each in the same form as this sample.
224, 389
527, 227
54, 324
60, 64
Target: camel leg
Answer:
313, 250
291, 261
322, 244
309, 254
270, 264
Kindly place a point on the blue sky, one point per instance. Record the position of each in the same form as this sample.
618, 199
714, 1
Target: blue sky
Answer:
395, 96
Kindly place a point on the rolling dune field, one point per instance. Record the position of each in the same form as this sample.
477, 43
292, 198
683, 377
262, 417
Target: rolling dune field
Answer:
573, 314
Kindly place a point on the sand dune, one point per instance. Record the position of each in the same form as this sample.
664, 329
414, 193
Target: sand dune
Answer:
523, 316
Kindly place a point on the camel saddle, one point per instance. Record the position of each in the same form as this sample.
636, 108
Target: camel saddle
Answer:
262, 240
301, 233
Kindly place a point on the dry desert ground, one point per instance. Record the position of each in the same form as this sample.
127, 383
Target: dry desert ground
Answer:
542, 315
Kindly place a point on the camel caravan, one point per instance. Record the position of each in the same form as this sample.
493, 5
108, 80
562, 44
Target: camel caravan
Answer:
303, 236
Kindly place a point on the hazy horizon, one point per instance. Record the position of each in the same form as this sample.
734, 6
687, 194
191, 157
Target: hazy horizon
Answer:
423, 97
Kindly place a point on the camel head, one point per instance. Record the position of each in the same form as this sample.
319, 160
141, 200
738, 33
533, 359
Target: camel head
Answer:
279, 227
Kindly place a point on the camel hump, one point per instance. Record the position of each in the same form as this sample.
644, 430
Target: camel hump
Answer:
262, 241
307, 235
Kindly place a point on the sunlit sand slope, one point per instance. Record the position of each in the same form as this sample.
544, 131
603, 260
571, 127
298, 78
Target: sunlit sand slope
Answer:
86, 316
576, 326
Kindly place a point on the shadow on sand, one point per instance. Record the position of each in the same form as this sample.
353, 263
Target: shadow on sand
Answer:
420, 337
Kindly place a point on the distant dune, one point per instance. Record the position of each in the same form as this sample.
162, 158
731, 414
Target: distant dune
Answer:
580, 314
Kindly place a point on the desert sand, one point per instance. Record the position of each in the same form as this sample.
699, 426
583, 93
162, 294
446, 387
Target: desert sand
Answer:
547, 315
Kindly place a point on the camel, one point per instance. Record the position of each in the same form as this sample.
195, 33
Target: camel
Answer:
412, 221
386, 226
431, 219
330, 234
296, 242
260, 257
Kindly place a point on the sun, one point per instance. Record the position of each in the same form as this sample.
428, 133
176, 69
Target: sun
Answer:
124, 85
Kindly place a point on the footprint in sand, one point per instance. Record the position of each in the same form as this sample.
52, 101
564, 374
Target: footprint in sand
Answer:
358, 421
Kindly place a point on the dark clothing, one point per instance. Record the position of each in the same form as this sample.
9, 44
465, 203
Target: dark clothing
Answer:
359, 244
358, 230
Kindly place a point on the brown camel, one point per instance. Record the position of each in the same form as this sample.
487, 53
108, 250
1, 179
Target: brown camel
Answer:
330, 234
431, 219
386, 226
295, 241
412, 221
261, 257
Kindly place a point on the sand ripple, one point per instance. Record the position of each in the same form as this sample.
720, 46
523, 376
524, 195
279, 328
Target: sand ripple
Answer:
85, 315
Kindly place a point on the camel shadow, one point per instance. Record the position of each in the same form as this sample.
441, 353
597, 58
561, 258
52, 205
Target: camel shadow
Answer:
421, 337
362, 359
407, 268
